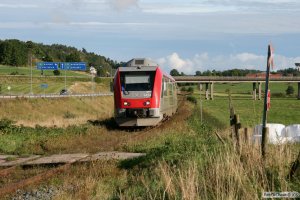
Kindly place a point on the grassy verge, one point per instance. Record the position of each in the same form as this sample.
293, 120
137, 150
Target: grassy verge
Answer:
56, 112
21, 85
27, 140
9, 70
190, 162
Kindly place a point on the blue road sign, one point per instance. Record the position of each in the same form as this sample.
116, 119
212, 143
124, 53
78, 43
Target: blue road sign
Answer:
76, 66
47, 65
44, 85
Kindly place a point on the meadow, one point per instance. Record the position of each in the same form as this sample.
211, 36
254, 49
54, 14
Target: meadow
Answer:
21, 85
185, 159
26, 71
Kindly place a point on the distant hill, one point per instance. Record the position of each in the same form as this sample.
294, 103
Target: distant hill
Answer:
14, 52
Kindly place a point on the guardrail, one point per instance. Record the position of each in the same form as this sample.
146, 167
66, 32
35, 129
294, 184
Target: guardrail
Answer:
53, 95
232, 79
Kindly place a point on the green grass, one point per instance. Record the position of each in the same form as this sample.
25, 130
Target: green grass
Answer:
245, 89
21, 89
194, 164
26, 140
284, 111
21, 85
10, 70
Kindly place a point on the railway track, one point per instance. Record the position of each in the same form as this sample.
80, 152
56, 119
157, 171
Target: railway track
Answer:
52, 165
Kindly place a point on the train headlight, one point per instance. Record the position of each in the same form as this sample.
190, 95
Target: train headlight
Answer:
147, 103
126, 103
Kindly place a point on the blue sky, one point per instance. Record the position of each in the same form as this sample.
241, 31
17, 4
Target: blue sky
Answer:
187, 35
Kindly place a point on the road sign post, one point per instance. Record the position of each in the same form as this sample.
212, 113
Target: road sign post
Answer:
75, 66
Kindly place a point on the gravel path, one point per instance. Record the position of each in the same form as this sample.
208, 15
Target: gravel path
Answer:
43, 192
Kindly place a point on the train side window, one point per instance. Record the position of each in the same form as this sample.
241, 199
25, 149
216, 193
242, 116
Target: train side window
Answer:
165, 88
170, 88
162, 88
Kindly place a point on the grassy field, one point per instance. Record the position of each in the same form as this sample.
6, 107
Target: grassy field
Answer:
21, 85
9, 70
285, 111
185, 159
56, 112
244, 90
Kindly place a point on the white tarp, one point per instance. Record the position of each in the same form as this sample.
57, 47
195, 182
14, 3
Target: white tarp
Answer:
278, 133
291, 133
275, 134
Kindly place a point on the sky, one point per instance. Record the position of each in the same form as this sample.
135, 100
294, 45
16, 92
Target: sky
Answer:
187, 35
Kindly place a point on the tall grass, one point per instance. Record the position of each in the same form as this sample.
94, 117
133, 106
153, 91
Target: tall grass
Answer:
196, 165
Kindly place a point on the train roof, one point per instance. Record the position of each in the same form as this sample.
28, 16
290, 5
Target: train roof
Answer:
140, 62
137, 69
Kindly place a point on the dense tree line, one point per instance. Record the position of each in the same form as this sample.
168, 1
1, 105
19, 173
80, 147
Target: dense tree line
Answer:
289, 71
236, 72
231, 72
18, 53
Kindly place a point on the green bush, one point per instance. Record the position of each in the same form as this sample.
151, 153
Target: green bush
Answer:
14, 73
190, 89
56, 72
6, 123
192, 99
97, 80
183, 89
278, 94
290, 90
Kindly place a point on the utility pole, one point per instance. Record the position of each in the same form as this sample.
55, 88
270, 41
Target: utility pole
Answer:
31, 92
264, 140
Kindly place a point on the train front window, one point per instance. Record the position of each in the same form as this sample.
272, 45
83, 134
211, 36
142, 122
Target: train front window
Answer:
137, 84
137, 81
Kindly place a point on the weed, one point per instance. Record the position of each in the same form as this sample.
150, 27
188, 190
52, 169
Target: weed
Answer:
69, 115
192, 99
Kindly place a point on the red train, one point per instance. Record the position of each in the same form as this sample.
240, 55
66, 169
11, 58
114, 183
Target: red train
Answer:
143, 94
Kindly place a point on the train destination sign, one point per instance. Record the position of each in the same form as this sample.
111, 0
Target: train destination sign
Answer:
47, 65
76, 66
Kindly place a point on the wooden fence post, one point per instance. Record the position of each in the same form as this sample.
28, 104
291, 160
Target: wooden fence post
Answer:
246, 136
237, 126
295, 167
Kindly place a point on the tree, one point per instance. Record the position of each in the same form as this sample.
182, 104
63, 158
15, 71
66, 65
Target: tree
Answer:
174, 72
289, 90
84, 51
73, 57
56, 72
47, 58
198, 73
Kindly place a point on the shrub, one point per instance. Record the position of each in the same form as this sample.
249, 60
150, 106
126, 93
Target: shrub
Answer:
190, 89
183, 89
192, 99
69, 115
56, 72
290, 90
14, 73
278, 94
97, 80
6, 123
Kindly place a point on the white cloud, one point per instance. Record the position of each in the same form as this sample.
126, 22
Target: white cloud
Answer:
204, 62
123, 4
11, 5
174, 61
